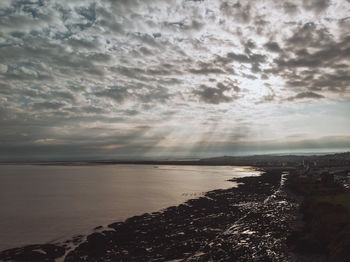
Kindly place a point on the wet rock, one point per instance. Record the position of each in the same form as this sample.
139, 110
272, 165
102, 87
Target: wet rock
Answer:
98, 228
33, 253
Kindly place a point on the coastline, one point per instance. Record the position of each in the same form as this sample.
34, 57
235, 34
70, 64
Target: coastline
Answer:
57, 203
242, 222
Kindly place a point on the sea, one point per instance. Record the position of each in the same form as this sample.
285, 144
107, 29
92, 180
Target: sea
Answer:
51, 203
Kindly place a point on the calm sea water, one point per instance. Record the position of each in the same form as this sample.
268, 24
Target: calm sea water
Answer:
39, 204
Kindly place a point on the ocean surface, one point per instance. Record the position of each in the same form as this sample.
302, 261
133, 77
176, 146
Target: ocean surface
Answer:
40, 204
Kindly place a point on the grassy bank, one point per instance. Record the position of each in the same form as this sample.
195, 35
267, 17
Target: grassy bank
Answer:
326, 216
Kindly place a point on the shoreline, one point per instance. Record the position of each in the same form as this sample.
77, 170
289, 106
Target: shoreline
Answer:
97, 196
196, 230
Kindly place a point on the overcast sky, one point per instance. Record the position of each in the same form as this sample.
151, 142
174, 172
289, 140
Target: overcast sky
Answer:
173, 78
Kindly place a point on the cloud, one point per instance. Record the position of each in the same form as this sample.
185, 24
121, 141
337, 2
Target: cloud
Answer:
304, 95
216, 95
68, 67
253, 59
145, 95
118, 94
290, 8
237, 11
47, 105
206, 69
316, 5
273, 47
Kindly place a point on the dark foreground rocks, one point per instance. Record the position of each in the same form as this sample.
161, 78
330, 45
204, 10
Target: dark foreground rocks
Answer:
45, 253
247, 223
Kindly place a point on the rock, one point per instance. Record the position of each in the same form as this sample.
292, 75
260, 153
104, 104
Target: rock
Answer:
33, 253
98, 227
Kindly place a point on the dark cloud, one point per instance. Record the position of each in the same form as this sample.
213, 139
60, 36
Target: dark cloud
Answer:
314, 60
118, 94
253, 59
304, 95
108, 22
206, 69
86, 110
249, 45
159, 94
216, 95
47, 106
335, 82
316, 5
249, 76
145, 95
237, 11
310, 35
290, 8
273, 47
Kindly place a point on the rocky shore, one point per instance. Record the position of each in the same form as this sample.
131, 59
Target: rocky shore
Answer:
247, 223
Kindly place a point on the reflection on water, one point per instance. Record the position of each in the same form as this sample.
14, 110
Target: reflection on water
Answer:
43, 203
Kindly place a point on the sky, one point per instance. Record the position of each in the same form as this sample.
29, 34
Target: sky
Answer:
173, 78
